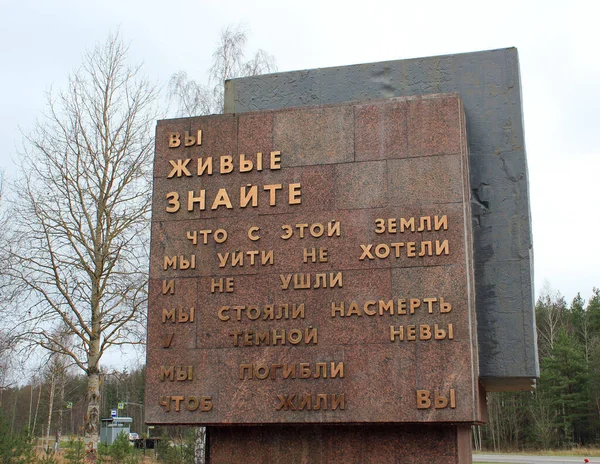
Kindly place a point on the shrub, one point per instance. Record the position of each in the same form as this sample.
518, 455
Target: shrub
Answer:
75, 452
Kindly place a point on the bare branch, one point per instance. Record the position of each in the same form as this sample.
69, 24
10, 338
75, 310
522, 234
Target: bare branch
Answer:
261, 63
193, 98
228, 62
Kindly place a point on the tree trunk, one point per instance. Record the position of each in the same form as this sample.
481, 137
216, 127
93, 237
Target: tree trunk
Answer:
37, 409
12, 427
92, 417
61, 396
199, 445
30, 404
50, 406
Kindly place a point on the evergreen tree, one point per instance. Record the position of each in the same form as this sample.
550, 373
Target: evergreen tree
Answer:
564, 377
75, 453
15, 448
593, 309
121, 451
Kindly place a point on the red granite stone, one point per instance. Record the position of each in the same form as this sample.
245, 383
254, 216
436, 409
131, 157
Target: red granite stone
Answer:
381, 130
425, 180
320, 444
435, 125
255, 134
399, 170
315, 136
359, 185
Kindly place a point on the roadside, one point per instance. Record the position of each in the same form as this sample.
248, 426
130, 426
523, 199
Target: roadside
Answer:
531, 459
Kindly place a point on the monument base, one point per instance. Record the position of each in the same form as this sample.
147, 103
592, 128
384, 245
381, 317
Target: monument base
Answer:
377, 444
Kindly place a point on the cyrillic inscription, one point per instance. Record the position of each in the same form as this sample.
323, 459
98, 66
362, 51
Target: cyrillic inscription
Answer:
321, 370
420, 224
275, 337
225, 164
190, 403
425, 400
179, 262
221, 285
249, 195
168, 287
176, 315
307, 281
317, 230
218, 236
409, 249
189, 140
168, 339
263, 313
311, 402
176, 373
246, 258
396, 307
421, 332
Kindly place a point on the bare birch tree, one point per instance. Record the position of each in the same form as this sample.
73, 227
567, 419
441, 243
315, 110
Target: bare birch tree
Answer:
8, 360
82, 217
4, 292
228, 62
550, 314
8, 363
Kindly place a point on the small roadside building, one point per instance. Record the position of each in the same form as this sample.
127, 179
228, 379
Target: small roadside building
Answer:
111, 427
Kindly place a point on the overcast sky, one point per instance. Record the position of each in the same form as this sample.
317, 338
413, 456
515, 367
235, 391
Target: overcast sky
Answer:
558, 42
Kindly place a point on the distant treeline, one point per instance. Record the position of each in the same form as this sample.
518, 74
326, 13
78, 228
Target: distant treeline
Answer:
28, 407
564, 409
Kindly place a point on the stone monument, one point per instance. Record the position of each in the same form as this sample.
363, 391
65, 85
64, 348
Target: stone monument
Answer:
313, 277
